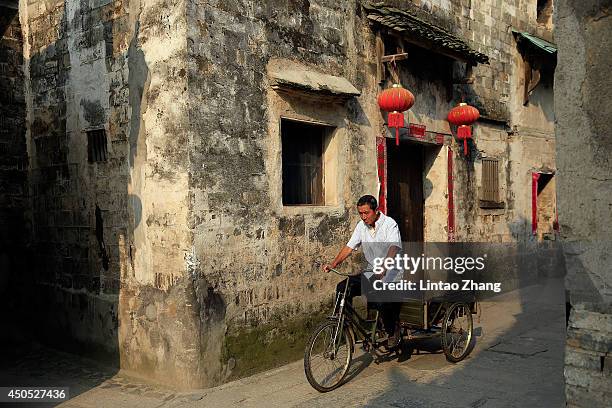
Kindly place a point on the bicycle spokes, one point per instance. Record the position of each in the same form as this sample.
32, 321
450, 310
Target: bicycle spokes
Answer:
326, 363
458, 331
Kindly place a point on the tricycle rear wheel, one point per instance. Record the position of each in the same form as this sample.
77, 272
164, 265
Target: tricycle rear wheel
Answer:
457, 328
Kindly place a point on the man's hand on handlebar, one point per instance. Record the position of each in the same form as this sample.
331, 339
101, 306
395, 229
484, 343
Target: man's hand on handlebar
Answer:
342, 255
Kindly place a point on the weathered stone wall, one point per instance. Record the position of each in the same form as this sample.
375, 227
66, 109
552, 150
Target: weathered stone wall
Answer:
13, 155
582, 89
77, 215
256, 255
583, 133
158, 336
110, 237
588, 374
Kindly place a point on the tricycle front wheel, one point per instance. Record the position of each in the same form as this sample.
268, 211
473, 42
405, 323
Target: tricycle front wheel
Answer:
325, 365
457, 328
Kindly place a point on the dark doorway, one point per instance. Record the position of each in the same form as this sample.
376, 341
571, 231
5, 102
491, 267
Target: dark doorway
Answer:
546, 207
405, 203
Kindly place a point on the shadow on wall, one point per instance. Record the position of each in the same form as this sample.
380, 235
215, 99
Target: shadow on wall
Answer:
14, 229
543, 96
67, 296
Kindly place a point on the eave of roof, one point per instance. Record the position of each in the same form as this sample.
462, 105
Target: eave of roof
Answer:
417, 30
538, 42
314, 82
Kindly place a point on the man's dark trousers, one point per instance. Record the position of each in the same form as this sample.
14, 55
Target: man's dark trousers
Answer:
389, 311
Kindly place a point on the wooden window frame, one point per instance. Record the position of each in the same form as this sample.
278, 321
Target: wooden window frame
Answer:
490, 192
317, 193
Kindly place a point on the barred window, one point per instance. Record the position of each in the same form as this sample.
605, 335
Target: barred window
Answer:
96, 145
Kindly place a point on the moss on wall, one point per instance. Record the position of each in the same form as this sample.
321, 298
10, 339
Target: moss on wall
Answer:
247, 351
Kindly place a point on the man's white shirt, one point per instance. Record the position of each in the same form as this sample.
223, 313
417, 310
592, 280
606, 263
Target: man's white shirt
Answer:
376, 242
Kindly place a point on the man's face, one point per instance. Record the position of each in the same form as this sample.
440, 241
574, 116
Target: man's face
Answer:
367, 214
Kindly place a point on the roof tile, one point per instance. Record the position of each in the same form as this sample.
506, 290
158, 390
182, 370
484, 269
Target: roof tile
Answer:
408, 24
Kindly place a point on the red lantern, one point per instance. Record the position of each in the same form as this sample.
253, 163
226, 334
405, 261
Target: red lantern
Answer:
395, 100
463, 116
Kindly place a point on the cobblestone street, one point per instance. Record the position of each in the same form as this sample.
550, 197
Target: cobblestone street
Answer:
517, 362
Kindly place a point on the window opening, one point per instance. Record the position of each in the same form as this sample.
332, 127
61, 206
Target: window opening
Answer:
544, 10
546, 215
303, 162
96, 146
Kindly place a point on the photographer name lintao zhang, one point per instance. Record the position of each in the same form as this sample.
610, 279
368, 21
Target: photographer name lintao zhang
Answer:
427, 285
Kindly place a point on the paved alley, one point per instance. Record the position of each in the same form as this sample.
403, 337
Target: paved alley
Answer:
517, 362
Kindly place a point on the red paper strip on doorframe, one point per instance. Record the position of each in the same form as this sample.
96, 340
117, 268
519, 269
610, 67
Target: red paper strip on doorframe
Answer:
534, 202
451, 201
381, 159
417, 131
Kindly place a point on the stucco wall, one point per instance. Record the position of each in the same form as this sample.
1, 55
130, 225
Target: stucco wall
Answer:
256, 255
583, 146
582, 89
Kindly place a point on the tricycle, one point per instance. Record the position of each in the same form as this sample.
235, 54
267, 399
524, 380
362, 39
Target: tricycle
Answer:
329, 350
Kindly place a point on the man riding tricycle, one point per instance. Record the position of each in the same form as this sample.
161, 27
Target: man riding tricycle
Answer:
390, 319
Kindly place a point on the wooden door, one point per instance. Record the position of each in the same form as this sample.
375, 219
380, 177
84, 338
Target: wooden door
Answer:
405, 203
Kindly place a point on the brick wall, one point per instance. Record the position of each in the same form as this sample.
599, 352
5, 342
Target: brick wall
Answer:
588, 362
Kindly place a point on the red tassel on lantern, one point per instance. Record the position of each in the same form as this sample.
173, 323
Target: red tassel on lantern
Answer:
396, 120
464, 132
395, 100
463, 116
